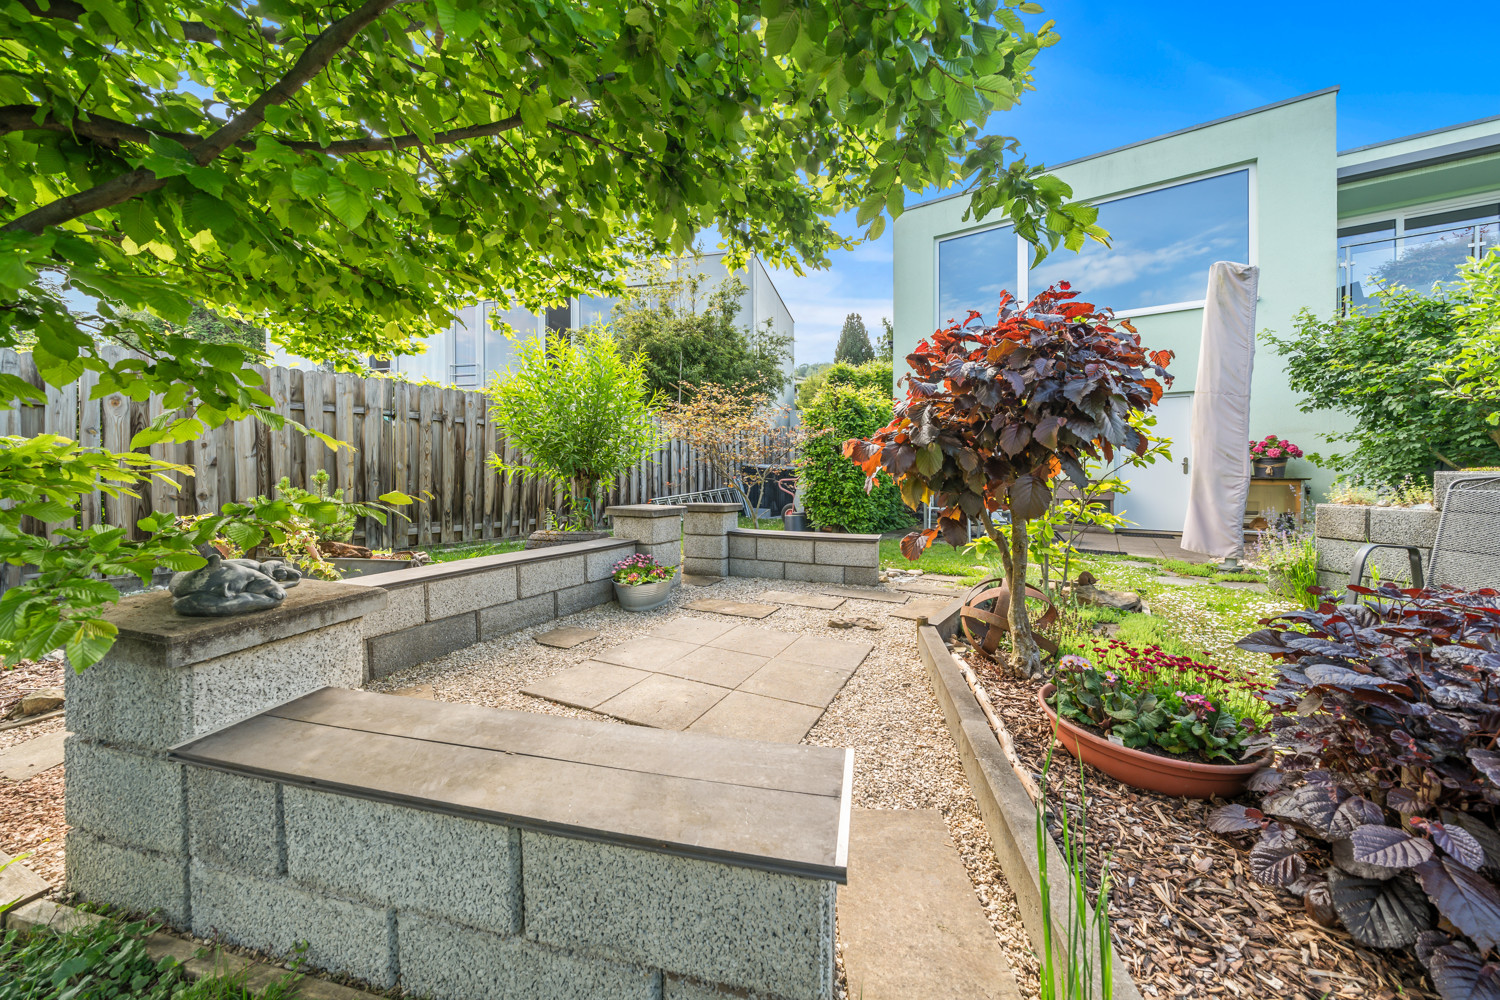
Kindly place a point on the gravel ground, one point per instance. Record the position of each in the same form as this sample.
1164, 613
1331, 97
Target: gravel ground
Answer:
904, 757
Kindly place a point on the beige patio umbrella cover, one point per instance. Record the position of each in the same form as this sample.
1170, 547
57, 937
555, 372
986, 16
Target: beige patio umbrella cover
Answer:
1219, 477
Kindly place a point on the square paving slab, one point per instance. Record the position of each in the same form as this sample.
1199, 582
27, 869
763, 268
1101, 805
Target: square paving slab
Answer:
649, 653
663, 702
755, 717
804, 683
923, 609
722, 667
566, 637
739, 609
38, 754
888, 596
828, 652
754, 640
821, 601
694, 630
588, 685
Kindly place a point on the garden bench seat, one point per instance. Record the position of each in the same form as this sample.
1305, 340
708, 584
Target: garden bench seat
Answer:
770, 806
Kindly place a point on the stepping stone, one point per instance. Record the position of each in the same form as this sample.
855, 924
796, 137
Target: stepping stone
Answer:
910, 923
566, 637
754, 640
923, 610
821, 601
694, 580
710, 665
867, 595
663, 702
804, 683
648, 653
932, 589
755, 717
1184, 581
1259, 588
694, 630
586, 686
739, 609
425, 691
41, 753
19, 885
828, 652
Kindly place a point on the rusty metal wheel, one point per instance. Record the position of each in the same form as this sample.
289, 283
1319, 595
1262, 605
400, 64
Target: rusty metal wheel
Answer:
984, 619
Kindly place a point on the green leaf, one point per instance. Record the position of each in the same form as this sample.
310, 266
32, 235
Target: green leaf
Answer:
395, 497
87, 646
347, 203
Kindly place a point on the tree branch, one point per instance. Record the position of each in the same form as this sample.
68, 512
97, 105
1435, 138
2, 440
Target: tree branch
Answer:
193, 31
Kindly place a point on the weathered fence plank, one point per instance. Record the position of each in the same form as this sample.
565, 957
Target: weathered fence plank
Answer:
432, 443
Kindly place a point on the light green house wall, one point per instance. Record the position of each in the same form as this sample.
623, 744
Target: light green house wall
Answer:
1290, 149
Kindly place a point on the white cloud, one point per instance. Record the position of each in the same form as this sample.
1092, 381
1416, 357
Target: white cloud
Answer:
820, 300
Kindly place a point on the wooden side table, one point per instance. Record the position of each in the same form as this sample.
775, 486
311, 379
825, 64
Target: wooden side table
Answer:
1281, 496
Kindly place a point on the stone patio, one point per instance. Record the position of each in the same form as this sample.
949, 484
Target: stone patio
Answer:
699, 675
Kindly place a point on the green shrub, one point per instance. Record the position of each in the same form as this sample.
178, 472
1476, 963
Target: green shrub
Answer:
870, 375
833, 487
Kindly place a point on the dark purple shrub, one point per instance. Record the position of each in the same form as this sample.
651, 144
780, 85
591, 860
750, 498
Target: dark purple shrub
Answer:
1385, 735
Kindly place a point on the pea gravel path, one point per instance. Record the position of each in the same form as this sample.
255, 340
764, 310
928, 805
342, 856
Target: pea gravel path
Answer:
904, 757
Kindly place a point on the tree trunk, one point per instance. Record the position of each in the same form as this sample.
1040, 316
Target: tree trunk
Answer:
1027, 657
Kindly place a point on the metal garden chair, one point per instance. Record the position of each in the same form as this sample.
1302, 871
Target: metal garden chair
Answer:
1467, 547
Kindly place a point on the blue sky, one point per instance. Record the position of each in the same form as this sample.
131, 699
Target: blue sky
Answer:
1126, 72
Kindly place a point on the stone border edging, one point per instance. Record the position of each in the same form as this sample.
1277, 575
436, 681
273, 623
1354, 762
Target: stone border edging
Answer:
1008, 811
197, 961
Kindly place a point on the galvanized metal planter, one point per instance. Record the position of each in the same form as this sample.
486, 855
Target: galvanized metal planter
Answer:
643, 596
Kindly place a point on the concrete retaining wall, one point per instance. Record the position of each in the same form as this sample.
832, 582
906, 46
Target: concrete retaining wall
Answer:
437, 609
441, 904
814, 556
1342, 529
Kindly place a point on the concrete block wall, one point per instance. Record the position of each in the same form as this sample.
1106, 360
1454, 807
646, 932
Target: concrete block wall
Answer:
813, 556
126, 803
438, 609
1342, 529
456, 908
656, 529
705, 538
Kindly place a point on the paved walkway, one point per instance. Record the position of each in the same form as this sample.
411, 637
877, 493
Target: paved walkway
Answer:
1149, 546
909, 921
722, 677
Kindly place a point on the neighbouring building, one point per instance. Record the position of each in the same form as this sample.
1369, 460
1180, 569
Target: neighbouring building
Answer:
1267, 187
476, 346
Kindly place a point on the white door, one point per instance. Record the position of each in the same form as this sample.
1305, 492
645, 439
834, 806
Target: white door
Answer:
1158, 493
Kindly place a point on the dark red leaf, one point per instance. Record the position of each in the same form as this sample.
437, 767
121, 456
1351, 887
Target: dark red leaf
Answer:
1278, 866
1459, 974
1466, 899
1458, 843
1389, 847
1379, 913
1235, 818
1352, 813
1487, 762
1030, 497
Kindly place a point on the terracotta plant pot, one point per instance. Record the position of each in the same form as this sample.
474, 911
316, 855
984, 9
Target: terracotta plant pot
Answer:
1147, 770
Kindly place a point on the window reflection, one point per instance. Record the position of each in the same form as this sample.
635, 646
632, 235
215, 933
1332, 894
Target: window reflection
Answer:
594, 309
1161, 245
972, 272
1426, 254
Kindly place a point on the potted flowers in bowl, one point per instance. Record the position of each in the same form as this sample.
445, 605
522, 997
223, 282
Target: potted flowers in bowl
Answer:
641, 584
1156, 721
1269, 456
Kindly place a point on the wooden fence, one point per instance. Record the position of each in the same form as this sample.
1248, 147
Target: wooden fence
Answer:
416, 439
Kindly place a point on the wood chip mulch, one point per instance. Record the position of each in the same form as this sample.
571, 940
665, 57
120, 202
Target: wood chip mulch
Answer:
1188, 919
27, 676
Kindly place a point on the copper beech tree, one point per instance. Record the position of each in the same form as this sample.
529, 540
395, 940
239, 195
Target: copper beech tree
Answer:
993, 414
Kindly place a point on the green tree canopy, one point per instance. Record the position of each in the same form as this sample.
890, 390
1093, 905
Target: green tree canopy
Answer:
689, 339
874, 375
849, 403
854, 342
1379, 367
344, 174
885, 349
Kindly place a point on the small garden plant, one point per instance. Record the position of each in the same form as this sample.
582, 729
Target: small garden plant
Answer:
641, 569
1379, 808
1273, 447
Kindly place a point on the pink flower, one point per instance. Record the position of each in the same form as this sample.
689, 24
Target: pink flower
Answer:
1274, 452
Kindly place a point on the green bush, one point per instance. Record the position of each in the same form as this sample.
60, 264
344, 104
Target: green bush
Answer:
833, 487
870, 375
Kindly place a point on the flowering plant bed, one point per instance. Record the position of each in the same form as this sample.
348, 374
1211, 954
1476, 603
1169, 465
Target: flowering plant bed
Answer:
1274, 447
1188, 919
640, 570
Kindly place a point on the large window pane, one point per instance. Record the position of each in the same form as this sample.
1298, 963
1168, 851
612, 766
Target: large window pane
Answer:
500, 350
972, 272
1364, 252
595, 309
1161, 245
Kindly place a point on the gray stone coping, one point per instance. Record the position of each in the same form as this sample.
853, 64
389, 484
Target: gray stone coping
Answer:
776, 807
1008, 812
648, 510
808, 536
150, 628
483, 564
713, 507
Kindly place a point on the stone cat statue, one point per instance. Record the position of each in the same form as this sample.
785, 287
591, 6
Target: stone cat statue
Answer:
283, 573
226, 587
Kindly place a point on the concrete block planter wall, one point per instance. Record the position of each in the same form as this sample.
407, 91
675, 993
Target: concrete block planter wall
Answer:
812, 556
1342, 529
